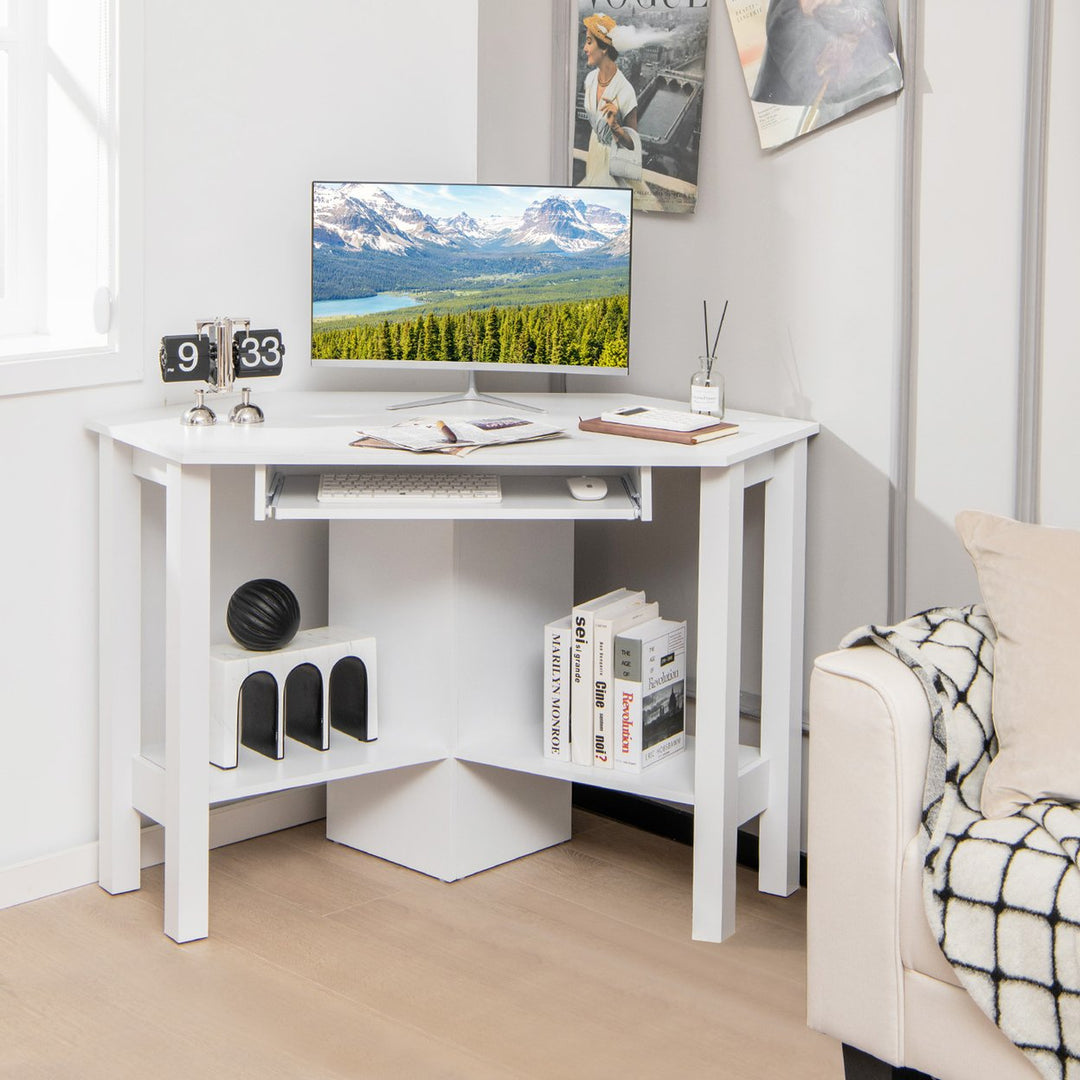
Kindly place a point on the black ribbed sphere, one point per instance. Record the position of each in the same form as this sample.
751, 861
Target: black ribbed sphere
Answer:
263, 614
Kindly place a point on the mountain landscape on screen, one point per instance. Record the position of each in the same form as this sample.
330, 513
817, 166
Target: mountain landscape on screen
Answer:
354, 217
468, 273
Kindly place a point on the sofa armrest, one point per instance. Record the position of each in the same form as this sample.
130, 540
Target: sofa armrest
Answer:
869, 743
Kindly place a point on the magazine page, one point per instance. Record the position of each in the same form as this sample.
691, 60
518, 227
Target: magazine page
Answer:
454, 435
637, 83
495, 430
809, 62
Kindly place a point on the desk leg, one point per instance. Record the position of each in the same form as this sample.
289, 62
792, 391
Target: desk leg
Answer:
187, 696
781, 668
716, 766
119, 502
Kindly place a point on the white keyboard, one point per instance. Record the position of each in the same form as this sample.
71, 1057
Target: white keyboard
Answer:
457, 486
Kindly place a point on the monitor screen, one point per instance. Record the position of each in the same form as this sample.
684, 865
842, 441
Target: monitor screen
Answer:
451, 275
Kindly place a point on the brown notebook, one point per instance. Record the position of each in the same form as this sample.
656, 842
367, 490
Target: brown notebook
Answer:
635, 431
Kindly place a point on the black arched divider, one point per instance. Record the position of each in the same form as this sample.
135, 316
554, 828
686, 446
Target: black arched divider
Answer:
304, 705
257, 717
349, 697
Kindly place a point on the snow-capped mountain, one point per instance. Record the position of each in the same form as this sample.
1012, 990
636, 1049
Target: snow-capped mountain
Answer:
618, 247
463, 226
362, 216
408, 220
343, 221
603, 219
556, 222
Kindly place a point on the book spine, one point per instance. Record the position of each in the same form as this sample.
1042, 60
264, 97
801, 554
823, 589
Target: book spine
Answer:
664, 698
557, 690
626, 702
605, 631
581, 683
662, 691
601, 703
660, 434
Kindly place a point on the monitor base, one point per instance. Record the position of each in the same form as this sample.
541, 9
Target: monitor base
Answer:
469, 394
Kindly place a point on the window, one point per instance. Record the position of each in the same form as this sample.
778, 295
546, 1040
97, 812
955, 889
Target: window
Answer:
68, 148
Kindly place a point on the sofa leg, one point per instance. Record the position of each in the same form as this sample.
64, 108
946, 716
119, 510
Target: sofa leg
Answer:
861, 1066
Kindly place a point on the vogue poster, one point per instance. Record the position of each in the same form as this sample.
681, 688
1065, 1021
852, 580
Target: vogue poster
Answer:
637, 83
809, 62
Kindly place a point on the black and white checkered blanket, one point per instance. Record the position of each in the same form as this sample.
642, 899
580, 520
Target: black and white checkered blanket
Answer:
1002, 896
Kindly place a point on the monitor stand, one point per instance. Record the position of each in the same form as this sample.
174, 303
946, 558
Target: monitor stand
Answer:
470, 394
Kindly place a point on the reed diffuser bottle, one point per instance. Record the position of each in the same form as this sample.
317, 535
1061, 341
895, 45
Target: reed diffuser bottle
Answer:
707, 384
707, 389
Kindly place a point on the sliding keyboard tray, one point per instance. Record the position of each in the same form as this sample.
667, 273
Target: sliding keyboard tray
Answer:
290, 492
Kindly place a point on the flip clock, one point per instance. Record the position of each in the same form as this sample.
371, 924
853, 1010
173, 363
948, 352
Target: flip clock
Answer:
221, 351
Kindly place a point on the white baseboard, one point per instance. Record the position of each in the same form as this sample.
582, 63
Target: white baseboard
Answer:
229, 824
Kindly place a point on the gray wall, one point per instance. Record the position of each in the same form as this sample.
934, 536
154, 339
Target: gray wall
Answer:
1059, 458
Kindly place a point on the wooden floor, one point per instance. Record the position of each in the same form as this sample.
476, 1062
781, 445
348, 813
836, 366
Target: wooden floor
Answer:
575, 962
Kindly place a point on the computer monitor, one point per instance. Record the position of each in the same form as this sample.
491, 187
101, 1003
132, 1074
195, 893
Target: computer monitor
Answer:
471, 276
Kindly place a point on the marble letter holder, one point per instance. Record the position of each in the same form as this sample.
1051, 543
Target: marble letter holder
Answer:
323, 679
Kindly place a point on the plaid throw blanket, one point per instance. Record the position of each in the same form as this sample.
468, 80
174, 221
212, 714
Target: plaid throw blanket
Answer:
1002, 896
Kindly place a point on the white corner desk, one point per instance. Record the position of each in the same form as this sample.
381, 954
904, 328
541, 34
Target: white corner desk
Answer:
456, 598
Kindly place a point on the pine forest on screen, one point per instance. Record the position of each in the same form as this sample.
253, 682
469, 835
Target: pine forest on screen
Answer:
470, 274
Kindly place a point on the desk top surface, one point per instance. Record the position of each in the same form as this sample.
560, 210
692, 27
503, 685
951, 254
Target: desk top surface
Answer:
316, 427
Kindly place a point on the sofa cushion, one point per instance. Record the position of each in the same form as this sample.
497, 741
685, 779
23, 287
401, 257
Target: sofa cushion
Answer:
1029, 576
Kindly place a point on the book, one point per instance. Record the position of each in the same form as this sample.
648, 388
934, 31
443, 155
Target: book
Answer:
605, 628
557, 689
649, 693
583, 617
650, 426
669, 419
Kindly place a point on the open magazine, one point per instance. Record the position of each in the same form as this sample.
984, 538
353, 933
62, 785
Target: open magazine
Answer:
808, 62
455, 435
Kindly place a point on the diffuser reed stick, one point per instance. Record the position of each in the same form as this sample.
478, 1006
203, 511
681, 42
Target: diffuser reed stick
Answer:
711, 353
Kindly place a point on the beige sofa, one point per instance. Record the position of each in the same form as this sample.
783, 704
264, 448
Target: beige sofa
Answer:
877, 980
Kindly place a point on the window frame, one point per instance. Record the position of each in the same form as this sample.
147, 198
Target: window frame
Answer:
39, 362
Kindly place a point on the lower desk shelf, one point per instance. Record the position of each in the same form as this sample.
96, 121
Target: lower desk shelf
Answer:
671, 780
302, 766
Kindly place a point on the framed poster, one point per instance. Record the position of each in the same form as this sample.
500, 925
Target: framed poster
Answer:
809, 62
636, 80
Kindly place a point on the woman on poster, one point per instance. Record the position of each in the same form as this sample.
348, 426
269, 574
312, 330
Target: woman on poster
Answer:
611, 105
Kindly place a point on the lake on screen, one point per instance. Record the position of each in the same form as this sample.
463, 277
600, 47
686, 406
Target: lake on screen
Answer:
363, 305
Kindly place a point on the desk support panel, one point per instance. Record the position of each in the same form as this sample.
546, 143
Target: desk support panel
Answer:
449, 819
458, 609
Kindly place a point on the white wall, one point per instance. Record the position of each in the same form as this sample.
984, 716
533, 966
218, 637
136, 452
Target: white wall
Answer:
276, 95
246, 103
1060, 457
970, 281
969, 197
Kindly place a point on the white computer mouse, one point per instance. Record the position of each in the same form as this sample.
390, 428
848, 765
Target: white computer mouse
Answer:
587, 487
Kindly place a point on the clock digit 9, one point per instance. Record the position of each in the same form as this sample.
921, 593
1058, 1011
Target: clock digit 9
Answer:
186, 358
